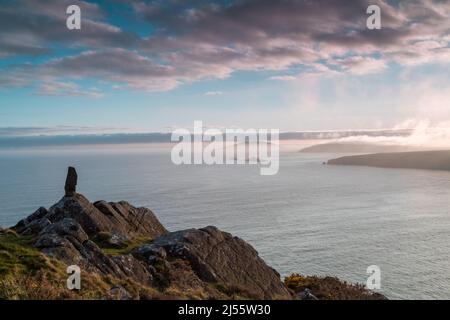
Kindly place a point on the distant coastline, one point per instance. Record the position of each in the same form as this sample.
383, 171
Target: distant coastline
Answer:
428, 160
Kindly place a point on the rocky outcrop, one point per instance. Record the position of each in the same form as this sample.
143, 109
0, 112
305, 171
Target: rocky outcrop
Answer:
78, 232
70, 231
130, 222
121, 221
217, 257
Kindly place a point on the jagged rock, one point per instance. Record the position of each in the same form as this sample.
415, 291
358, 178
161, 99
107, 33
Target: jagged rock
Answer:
71, 182
66, 241
67, 232
31, 224
307, 295
121, 220
36, 226
132, 221
119, 293
208, 261
216, 257
133, 268
82, 211
63, 240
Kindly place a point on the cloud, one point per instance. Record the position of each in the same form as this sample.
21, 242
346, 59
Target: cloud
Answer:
39, 24
265, 34
55, 88
57, 130
424, 134
195, 40
126, 68
283, 78
360, 65
213, 93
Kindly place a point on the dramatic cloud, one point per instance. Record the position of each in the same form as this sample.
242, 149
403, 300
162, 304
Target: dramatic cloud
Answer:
192, 40
34, 26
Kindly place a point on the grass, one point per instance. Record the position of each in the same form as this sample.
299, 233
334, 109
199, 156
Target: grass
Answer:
236, 292
17, 256
330, 288
26, 273
128, 248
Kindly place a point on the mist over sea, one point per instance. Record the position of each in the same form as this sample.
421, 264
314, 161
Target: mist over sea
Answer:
309, 218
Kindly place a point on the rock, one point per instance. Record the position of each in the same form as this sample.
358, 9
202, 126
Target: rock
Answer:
66, 241
193, 260
71, 182
205, 263
119, 293
131, 221
123, 221
133, 268
216, 257
35, 226
69, 229
34, 218
307, 295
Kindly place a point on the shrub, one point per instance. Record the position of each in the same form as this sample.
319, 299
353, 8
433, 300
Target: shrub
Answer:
330, 288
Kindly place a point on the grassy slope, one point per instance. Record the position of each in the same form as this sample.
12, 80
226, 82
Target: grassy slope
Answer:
26, 273
330, 288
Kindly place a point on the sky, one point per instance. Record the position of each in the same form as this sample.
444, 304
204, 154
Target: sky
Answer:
293, 65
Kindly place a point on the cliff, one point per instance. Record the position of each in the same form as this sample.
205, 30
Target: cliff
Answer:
124, 252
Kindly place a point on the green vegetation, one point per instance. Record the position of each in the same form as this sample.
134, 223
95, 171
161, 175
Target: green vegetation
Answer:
18, 257
236, 292
330, 288
26, 273
103, 241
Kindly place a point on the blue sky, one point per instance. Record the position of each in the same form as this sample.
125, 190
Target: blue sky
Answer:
148, 66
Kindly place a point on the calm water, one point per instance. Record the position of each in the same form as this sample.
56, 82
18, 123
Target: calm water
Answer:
310, 218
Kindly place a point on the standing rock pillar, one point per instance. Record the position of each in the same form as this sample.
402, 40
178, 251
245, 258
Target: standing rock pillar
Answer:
71, 182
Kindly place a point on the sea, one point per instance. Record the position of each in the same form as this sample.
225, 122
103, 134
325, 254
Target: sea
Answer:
310, 218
